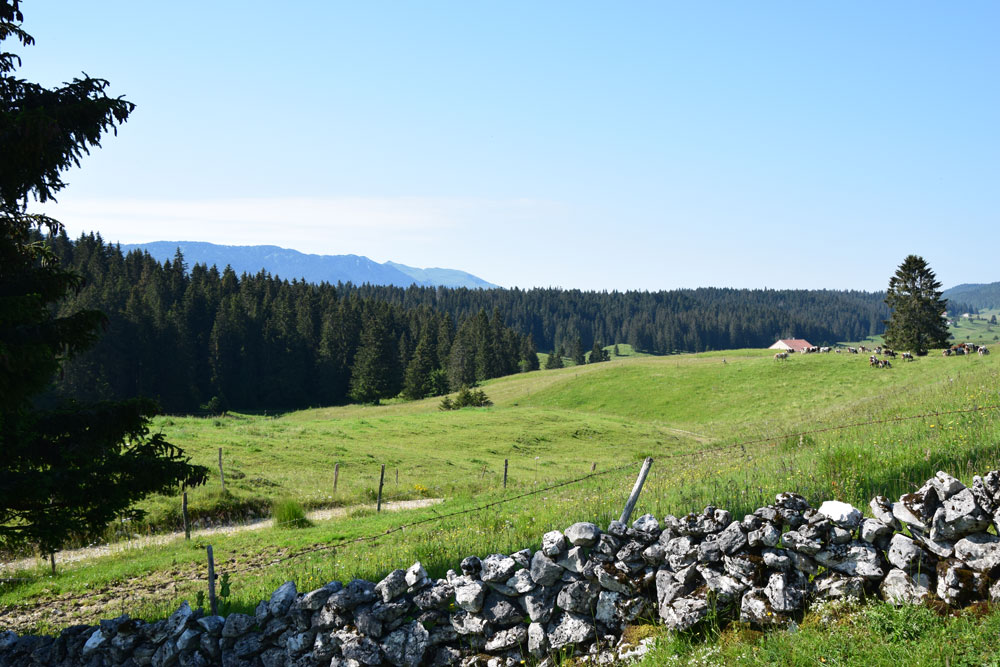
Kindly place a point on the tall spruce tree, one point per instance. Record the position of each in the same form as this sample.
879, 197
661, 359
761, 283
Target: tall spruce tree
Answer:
376, 361
65, 471
917, 322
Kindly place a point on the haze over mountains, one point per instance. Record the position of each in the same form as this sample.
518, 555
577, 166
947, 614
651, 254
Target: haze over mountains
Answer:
289, 264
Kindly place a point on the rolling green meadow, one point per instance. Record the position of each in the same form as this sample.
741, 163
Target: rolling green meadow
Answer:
729, 428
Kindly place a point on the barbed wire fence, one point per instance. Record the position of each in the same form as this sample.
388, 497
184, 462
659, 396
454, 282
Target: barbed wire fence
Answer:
371, 538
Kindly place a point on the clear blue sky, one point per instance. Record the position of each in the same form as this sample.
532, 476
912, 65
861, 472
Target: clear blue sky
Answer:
589, 145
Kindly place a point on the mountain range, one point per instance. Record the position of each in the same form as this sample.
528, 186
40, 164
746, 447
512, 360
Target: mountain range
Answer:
289, 264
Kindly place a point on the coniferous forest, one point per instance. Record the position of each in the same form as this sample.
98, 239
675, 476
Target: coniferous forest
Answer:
198, 337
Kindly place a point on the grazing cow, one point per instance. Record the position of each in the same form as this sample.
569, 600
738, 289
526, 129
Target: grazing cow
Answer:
983, 350
852, 350
907, 356
781, 356
946, 352
824, 349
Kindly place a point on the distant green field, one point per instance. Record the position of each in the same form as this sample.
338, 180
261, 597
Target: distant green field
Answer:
977, 329
723, 428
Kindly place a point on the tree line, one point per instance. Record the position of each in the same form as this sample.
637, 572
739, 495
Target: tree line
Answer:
663, 322
200, 338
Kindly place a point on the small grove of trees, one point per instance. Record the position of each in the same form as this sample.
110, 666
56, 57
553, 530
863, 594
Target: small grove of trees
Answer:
917, 322
466, 398
66, 468
204, 339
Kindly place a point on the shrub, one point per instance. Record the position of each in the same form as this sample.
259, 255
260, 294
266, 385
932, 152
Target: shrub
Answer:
289, 514
466, 398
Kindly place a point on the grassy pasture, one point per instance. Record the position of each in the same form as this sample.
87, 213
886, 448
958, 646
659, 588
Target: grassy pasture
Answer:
688, 412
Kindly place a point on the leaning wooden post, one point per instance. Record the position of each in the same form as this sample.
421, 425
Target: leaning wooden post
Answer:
505, 473
212, 603
184, 514
222, 475
381, 480
636, 490
397, 476
593, 466
336, 475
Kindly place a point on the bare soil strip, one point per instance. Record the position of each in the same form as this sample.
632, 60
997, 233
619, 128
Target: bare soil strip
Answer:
63, 558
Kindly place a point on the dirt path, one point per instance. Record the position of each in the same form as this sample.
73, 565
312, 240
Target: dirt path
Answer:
63, 558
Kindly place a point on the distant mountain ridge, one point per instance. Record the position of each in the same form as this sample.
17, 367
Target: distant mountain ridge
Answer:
977, 295
289, 264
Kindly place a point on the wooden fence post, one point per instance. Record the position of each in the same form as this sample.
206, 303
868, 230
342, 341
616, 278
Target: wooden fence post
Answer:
505, 473
222, 475
593, 466
213, 605
336, 475
397, 476
184, 514
381, 479
634, 496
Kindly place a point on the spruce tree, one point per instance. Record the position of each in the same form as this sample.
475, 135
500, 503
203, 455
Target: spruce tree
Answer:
555, 359
66, 470
576, 352
417, 382
375, 362
529, 355
917, 322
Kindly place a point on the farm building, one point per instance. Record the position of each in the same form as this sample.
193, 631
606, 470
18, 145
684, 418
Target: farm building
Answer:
791, 345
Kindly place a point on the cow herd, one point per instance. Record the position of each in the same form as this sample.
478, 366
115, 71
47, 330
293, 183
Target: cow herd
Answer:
966, 348
875, 361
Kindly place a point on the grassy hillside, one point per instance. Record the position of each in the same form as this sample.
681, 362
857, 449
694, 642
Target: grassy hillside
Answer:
717, 425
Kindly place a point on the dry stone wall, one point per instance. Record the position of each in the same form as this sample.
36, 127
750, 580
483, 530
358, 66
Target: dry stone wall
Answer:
579, 590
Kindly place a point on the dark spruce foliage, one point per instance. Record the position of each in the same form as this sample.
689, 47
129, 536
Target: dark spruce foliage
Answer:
690, 320
66, 469
917, 322
209, 340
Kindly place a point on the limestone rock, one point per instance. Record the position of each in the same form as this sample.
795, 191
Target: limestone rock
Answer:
980, 551
573, 560
874, 531
945, 485
508, 639
406, 646
416, 577
900, 587
237, 625
538, 641
958, 585
785, 592
392, 586
569, 628
355, 593
583, 534
732, 539
684, 612
500, 611
471, 566
843, 515
578, 597
362, 649
647, 523
543, 571
834, 586
881, 508
855, 559
553, 543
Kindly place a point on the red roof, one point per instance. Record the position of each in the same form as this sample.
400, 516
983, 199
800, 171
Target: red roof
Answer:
796, 343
